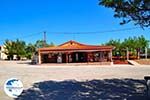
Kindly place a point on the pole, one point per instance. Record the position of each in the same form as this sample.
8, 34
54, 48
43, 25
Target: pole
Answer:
145, 53
44, 39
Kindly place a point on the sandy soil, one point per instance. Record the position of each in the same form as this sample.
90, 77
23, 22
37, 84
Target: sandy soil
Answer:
30, 74
143, 61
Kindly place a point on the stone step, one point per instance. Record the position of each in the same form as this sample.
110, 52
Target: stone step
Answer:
133, 62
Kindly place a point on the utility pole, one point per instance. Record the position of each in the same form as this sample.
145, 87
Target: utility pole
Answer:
44, 38
145, 52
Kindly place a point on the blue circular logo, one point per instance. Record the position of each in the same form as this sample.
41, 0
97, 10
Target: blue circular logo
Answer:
13, 87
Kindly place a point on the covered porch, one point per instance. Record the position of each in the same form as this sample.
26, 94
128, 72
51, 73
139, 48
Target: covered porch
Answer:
74, 52
75, 57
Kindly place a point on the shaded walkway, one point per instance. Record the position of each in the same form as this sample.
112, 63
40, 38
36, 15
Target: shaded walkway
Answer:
108, 89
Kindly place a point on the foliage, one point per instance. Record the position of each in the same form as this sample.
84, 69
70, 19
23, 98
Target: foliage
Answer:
116, 44
40, 44
137, 11
30, 50
52, 44
148, 50
20, 49
9, 47
14, 48
134, 44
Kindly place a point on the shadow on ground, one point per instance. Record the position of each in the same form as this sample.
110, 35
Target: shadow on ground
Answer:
108, 89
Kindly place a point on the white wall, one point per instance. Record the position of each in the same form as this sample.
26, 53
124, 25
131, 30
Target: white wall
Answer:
2, 54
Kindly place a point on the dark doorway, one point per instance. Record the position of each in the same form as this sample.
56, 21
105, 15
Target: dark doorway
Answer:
45, 58
63, 58
79, 57
49, 58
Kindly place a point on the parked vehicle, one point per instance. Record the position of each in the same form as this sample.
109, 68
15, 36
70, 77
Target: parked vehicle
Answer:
34, 59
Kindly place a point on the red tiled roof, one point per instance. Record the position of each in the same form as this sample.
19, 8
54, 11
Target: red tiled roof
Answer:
73, 45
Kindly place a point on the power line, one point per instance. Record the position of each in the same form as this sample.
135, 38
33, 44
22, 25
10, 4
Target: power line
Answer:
97, 32
25, 36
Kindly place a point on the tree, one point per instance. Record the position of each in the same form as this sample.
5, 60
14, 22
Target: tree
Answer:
40, 44
52, 44
9, 49
116, 44
14, 48
137, 11
134, 44
20, 48
142, 42
30, 50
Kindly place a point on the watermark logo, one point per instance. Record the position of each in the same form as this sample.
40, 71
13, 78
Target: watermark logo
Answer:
13, 87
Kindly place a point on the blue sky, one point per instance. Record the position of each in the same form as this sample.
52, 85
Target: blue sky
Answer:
22, 18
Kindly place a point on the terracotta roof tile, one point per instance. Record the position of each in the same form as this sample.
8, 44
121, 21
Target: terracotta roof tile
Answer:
73, 45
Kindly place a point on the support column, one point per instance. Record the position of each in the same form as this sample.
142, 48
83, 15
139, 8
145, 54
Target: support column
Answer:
127, 53
39, 56
100, 56
67, 57
103, 56
76, 57
87, 57
111, 55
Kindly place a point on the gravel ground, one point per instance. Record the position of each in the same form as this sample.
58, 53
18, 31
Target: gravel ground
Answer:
30, 74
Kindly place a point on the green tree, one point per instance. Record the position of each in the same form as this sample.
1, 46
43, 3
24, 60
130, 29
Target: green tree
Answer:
52, 44
137, 11
135, 45
30, 50
40, 44
9, 49
142, 42
116, 44
20, 48
14, 48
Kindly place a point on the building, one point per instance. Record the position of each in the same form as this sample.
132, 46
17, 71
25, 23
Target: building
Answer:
3, 56
74, 52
